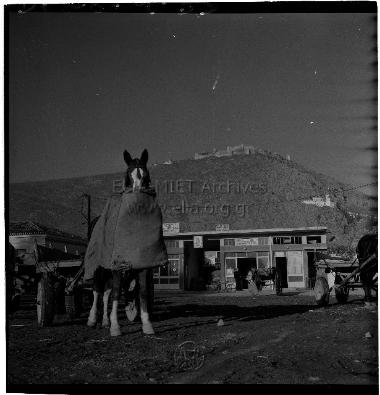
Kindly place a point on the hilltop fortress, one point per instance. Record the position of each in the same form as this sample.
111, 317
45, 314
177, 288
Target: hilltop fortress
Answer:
235, 150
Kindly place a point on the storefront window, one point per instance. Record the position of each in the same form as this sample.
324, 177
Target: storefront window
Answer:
287, 240
262, 260
168, 274
230, 266
313, 239
172, 243
295, 262
164, 270
173, 267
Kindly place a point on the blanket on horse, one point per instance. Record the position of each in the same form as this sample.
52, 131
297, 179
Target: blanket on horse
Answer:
127, 235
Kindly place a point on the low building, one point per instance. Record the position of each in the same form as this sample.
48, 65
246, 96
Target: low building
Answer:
193, 255
22, 236
52, 248
320, 201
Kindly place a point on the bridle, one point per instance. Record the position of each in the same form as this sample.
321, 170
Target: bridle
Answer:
142, 174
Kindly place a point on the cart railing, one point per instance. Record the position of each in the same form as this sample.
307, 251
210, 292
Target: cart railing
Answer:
370, 259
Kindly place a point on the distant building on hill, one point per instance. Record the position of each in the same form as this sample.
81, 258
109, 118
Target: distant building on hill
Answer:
240, 149
320, 202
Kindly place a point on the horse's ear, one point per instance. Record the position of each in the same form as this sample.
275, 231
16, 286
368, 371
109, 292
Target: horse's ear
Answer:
127, 157
144, 156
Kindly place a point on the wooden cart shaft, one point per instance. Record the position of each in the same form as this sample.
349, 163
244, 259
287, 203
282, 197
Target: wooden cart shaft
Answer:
356, 271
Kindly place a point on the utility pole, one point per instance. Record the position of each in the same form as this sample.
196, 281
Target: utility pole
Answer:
88, 215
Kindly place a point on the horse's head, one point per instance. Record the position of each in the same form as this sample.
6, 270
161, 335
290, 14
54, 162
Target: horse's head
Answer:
137, 175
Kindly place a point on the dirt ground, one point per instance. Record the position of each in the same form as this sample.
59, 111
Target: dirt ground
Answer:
263, 339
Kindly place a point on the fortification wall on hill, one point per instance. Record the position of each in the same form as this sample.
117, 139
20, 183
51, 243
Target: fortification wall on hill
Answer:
240, 149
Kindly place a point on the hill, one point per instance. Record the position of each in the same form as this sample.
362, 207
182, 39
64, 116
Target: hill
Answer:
263, 190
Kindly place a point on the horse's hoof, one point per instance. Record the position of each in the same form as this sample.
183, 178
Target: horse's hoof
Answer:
132, 285
115, 331
106, 323
148, 329
91, 323
131, 311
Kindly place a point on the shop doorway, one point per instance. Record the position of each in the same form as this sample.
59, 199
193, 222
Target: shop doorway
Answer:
211, 270
193, 267
243, 266
281, 267
312, 271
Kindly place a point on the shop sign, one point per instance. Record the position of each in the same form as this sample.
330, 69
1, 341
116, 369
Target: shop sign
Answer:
222, 227
198, 241
253, 241
170, 227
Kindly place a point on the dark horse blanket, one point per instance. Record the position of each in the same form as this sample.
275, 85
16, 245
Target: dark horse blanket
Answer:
128, 234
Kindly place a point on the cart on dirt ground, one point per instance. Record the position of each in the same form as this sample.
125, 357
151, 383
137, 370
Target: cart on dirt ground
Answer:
342, 275
53, 276
263, 277
62, 294
58, 292
62, 291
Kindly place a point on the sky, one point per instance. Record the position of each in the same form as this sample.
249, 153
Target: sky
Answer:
85, 86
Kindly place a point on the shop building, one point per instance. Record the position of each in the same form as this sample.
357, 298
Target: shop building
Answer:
193, 255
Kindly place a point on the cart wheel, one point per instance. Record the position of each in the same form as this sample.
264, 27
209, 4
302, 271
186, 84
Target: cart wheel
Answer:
321, 291
45, 300
277, 281
342, 293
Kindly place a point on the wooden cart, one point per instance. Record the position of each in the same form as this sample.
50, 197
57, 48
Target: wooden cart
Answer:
341, 275
58, 293
264, 276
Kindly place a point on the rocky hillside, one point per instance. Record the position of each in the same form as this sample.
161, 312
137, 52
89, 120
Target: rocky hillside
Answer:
244, 191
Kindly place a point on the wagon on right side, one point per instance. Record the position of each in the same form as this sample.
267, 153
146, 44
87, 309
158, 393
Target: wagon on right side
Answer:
341, 275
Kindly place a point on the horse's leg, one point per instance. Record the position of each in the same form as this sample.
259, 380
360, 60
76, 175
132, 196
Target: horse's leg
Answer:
106, 295
97, 289
116, 287
367, 292
367, 277
144, 293
93, 312
130, 296
106, 321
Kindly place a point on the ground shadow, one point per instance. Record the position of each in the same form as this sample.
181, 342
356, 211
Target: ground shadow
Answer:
165, 310
229, 312
289, 294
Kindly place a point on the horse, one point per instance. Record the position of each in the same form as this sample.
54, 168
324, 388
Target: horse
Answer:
258, 277
138, 284
366, 247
